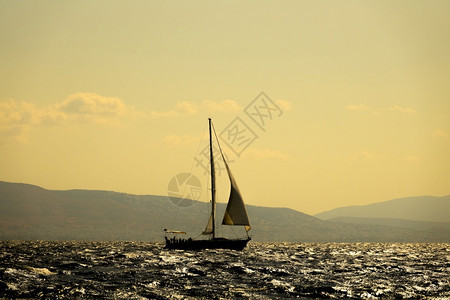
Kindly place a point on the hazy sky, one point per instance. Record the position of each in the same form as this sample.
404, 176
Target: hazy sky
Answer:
115, 95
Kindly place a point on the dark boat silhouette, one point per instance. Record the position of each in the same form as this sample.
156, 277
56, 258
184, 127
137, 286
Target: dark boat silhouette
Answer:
235, 215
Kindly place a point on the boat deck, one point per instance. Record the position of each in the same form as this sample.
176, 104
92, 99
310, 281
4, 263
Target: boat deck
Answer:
216, 243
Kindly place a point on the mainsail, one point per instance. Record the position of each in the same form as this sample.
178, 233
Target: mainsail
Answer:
235, 213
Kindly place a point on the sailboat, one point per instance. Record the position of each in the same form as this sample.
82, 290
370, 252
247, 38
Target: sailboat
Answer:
235, 215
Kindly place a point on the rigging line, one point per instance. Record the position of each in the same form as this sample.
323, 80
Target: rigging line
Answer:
190, 172
235, 235
217, 139
203, 210
192, 167
174, 217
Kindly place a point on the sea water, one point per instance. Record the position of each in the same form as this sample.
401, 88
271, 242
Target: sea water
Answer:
139, 270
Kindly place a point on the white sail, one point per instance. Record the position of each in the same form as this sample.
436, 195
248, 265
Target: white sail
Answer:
209, 226
235, 213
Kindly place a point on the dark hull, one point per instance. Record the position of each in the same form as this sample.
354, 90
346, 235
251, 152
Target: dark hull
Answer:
220, 243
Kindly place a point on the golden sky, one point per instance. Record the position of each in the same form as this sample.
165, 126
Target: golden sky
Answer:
115, 95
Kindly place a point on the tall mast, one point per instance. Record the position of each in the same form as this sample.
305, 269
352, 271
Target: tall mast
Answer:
213, 183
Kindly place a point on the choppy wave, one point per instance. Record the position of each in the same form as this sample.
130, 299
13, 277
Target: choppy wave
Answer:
138, 270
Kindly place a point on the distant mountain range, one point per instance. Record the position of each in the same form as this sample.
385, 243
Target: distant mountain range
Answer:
424, 208
424, 213
29, 212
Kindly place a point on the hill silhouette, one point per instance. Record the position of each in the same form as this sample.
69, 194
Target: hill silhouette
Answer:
423, 208
29, 212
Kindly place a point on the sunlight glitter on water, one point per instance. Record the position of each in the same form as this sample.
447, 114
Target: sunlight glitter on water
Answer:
138, 270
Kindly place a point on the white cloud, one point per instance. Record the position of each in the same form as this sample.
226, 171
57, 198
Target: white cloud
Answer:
283, 104
18, 117
92, 104
264, 154
364, 108
181, 109
90, 107
439, 133
16, 112
222, 106
380, 111
186, 108
402, 109
366, 155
